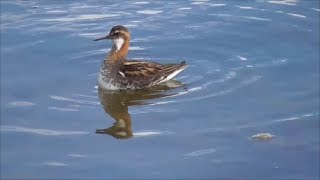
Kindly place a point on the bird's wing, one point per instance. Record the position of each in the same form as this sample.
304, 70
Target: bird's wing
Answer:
145, 73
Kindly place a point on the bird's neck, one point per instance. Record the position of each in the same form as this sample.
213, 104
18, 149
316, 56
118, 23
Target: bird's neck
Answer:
118, 51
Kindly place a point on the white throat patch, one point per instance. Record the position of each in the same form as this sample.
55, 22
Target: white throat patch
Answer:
118, 42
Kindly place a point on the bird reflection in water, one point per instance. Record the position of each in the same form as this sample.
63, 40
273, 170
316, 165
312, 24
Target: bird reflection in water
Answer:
116, 103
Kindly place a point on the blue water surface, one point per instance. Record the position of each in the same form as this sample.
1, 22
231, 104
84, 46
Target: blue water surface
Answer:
253, 68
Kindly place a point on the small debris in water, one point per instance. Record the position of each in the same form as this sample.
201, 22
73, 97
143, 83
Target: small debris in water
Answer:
263, 136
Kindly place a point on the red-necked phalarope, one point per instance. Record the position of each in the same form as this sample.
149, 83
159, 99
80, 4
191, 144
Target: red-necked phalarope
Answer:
118, 73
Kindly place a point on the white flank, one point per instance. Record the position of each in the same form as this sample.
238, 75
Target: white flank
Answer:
170, 76
118, 42
122, 74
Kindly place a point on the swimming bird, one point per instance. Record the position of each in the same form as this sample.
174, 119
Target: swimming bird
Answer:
117, 72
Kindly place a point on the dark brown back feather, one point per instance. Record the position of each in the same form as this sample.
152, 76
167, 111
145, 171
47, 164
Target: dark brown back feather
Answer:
145, 74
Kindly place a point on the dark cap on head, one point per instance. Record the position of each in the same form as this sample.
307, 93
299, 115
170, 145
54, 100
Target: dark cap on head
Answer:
118, 28
115, 32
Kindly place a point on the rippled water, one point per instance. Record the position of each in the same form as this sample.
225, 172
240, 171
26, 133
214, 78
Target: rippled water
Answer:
253, 68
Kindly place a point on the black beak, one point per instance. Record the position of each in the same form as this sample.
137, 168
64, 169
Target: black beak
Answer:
101, 38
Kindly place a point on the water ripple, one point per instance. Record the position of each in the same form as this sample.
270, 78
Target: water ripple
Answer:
149, 12
284, 2
199, 153
45, 132
255, 125
62, 109
150, 133
21, 104
77, 155
55, 164
243, 17
81, 17
61, 98
297, 15
316, 9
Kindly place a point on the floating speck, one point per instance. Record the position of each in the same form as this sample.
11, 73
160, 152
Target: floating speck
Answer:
263, 136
